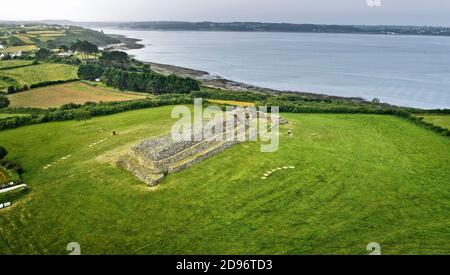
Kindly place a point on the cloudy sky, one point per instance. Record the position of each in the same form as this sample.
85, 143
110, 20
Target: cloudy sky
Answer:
410, 12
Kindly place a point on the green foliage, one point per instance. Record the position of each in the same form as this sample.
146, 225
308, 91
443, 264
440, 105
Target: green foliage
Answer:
81, 115
3, 152
11, 166
4, 101
85, 47
149, 82
42, 54
229, 95
64, 60
90, 71
117, 59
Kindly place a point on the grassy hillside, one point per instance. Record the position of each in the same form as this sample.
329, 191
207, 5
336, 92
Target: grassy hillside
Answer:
31, 37
357, 179
6, 64
73, 92
41, 73
14, 49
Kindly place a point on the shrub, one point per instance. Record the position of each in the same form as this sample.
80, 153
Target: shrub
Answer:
4, 101
3, 152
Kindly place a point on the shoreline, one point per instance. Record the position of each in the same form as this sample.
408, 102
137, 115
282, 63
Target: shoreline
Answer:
217, 82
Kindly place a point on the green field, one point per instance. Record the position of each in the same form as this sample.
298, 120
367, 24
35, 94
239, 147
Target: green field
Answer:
14, 63
14, 49
358, 179
439, 120
41, 73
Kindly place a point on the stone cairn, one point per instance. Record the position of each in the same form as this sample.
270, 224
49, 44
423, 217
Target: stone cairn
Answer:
151, 160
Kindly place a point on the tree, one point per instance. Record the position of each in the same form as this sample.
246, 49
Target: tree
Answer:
3, 152
86, 48
42, 54
64, 48
82, 115
4, 101
376, 101
116, 59
90, 71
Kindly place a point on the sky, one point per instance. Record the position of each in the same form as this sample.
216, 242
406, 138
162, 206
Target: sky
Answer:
390, 12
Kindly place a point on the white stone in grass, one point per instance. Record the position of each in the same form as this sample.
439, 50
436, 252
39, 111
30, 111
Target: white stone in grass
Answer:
274, 170
266, 175
1, 205
263, 178
7, 204
279, 169
291, 167
285, 168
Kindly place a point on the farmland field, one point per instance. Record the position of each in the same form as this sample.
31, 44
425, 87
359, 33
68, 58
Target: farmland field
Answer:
439, 120
42, 72
14, 63
73, 92
25, 39
357, 179
15, 49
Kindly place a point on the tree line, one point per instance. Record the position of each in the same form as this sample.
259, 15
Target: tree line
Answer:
115, 69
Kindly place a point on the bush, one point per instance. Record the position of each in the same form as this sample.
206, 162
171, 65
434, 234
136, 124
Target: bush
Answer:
3, 152
4, 101
149, 82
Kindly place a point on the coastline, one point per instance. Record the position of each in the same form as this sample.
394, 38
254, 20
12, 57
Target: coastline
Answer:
126, 43
217, 82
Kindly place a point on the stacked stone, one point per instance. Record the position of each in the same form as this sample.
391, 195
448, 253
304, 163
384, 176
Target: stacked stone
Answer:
152, 159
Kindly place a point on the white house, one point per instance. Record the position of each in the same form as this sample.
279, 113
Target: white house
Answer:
68, 53
17, 54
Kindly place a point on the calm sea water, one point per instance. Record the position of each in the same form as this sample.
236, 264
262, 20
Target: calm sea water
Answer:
403, 70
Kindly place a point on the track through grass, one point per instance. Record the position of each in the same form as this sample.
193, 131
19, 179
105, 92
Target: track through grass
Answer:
357, 179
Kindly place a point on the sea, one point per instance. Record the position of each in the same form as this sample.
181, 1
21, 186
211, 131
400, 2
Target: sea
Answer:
411, 71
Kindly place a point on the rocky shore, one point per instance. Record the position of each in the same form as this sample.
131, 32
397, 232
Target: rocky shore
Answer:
126, 43
213, 81
218, 82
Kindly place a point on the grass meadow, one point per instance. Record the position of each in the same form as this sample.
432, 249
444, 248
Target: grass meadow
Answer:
439, 120
40, 73
7, 64
357, 179
14, 49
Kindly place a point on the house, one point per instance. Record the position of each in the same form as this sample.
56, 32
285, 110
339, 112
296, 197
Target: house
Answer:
17, 54
68, 53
